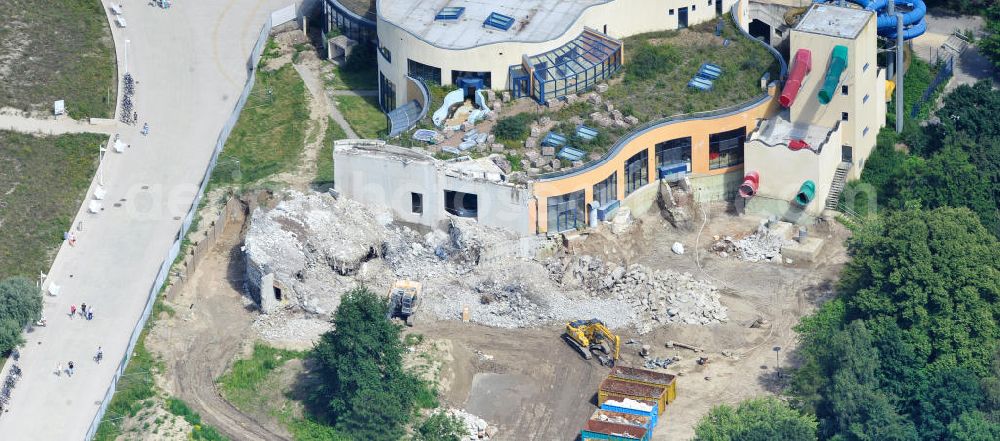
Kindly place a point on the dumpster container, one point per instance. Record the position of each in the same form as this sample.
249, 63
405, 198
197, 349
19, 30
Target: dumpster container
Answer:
616, 389
598, 430
634, 407
651, 378
610, 416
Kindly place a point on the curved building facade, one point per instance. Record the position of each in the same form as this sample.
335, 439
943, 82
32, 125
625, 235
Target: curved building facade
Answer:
353, 18
503, 43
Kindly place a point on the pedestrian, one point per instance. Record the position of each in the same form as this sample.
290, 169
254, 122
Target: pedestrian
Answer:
59, 369
100, 354
70, 369
90, 314
83, 309
72, 311
72, 239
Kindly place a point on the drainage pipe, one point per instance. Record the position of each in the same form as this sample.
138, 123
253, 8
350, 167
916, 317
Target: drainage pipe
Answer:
750, 184
807, 192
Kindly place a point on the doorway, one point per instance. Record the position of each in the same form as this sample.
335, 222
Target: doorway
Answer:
760, 31
682, 18
718, 7
847, 154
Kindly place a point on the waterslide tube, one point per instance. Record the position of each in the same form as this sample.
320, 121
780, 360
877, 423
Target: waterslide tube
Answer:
806, 193
913, 20
838, 62
750, 184
455, 96
802, 65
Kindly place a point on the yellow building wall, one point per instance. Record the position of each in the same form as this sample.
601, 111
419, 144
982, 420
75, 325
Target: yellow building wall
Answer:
698, 129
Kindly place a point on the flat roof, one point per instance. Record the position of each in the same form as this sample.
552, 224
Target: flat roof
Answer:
535, 20
834, 21
362, 8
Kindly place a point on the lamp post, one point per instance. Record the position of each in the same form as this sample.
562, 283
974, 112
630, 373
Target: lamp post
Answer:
777, 359
100, 164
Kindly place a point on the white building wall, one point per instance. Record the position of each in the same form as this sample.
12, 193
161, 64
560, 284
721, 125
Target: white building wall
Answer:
782, 171
386, 181
621, 18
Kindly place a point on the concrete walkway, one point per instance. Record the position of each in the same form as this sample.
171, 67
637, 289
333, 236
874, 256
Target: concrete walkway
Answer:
355, 93
971, 66
318, 92
58, 126
191, 62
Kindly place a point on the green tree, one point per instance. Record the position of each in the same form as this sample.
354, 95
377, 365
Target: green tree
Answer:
973, 426
20, 304
936, 273
440, 427
990, 44
757, 419
363, 388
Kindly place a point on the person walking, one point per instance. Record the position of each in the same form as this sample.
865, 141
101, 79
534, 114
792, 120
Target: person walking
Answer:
59, 369
70, 369
83, 309
90, 314
100, 354
72, 311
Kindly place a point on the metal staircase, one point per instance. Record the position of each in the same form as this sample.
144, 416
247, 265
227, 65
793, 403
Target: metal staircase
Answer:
839, 180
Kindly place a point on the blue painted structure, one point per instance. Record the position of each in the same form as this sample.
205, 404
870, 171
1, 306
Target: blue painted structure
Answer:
914, 24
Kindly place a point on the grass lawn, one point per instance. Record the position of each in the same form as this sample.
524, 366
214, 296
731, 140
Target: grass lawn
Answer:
660, 64
57, 49
360, 78
43, 180
270, 133
324, 162
364, 115
242, 383
135, 390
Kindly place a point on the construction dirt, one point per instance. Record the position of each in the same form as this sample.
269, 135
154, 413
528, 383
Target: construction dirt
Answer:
525, 380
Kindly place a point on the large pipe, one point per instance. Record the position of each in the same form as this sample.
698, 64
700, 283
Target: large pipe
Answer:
802, 65
806, 193
750, 184
838, 62
899, 75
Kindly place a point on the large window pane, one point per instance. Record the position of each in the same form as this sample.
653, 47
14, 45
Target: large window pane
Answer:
606, 190
427, 73
673, 152
566, 212
636, 172
725, 149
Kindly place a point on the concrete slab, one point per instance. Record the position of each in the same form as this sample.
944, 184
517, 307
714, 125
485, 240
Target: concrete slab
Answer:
806, 250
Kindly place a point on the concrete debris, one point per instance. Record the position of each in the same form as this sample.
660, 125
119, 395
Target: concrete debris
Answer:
476, 428
656, 362
677, 248
762, 245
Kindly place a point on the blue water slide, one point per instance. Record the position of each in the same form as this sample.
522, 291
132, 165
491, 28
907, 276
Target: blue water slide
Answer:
914, 24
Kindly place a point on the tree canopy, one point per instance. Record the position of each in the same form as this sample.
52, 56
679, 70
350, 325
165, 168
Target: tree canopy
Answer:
756, 419
363, 388
20, 304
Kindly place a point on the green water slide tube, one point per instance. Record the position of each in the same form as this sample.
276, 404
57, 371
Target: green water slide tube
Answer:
807, 192
838, 62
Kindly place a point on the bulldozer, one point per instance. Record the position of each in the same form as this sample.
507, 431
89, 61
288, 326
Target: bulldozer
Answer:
404, 298
593, 336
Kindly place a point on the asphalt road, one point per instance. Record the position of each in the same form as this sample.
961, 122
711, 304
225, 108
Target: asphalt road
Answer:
190, 62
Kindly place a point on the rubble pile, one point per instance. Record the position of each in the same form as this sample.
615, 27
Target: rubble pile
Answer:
762, 245
477, 428
660, 296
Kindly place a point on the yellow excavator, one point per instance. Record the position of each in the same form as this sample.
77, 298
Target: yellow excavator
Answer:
592, 336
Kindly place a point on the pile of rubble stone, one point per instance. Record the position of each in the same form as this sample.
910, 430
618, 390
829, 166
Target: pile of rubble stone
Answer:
762, 245
476, 428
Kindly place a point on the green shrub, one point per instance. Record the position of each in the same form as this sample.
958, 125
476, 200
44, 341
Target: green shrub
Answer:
440, 427
648, 61
514, 128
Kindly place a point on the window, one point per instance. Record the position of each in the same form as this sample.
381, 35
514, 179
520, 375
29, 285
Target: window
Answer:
636, 171
865, 99
387, 93
865, 68
844, 116
485, 76
673, 152
843, 90
725, 149
420, 70
779, 32
710, 2
864, 132
670, 12
385, 53
606, 190
566, 212
461, 204
417, 203
449, 13
694, 8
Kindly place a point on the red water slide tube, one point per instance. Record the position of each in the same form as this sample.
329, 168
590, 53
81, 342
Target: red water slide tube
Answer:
750, 184
800, 68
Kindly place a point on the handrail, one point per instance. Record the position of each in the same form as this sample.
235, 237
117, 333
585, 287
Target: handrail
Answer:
425, 94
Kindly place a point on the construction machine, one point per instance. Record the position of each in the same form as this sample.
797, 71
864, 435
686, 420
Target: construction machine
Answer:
404, 297
593, 336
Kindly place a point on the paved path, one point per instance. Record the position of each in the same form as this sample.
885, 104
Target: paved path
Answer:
191, 62
971, 66
318, 92
355, 93
57, 126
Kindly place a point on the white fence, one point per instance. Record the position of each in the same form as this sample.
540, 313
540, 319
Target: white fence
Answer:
168, 261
